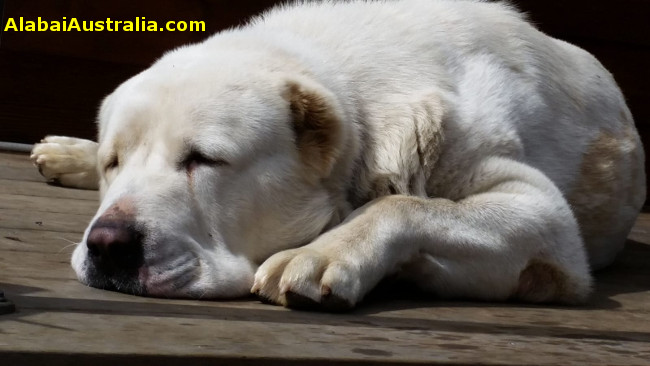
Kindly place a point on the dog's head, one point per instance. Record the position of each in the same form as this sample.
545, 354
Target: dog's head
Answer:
208, 166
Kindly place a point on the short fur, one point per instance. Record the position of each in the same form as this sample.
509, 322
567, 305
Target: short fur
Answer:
326, 145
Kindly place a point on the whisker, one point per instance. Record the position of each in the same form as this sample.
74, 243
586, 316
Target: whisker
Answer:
66, 247
64, 239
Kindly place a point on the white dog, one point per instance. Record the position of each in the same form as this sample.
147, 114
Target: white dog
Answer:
308, 155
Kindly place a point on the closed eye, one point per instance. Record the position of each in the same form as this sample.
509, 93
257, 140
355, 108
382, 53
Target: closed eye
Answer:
112, 163
196, 158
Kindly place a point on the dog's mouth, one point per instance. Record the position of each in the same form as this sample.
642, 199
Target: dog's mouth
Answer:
175, 279
118, 281
120, 256
154, 264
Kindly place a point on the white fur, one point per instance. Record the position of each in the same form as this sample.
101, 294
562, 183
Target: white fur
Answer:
464, 133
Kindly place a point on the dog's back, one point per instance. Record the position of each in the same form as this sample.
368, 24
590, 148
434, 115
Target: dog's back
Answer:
508, 88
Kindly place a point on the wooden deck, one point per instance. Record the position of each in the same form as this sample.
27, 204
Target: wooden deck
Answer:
59, 321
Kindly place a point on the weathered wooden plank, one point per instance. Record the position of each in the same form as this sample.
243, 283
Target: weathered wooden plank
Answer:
48, 204
37, 189
263, 332
50, 265
15, 159
622, 321
20, 173
415, 331
17, 166
41, 241
35, 220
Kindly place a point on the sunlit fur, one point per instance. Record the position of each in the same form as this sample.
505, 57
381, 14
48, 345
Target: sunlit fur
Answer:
449, 141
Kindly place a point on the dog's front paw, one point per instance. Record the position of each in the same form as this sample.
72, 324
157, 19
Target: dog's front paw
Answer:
308, 279
67, 161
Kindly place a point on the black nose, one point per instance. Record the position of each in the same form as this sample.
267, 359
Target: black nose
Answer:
115, 245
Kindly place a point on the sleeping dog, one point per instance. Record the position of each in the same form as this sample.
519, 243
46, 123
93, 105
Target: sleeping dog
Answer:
323, 146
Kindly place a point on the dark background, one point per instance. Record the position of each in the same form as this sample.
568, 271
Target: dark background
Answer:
52, 82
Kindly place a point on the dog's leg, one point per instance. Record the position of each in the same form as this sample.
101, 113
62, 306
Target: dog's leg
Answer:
513, 237
68, 161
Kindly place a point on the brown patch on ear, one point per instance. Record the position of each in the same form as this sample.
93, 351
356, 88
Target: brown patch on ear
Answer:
542, 282
317, 126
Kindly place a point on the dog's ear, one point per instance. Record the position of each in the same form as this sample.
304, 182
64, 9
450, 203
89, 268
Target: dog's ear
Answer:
316, 121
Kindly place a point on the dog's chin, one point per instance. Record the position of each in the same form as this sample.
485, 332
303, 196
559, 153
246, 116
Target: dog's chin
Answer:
137, 283
149, 282
119, 282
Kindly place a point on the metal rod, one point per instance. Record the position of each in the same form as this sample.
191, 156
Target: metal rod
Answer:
15, 146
